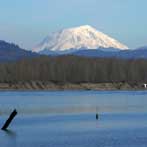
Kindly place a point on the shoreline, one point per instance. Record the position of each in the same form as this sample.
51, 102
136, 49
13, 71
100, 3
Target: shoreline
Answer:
37, 85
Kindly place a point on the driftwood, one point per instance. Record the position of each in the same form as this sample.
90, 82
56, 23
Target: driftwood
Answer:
9, 120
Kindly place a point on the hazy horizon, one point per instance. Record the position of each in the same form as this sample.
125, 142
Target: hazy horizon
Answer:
27, 22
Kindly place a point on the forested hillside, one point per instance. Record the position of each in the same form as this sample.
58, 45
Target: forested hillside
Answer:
11, 52
73, 69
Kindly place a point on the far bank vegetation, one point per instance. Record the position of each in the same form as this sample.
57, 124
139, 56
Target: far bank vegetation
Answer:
74, 69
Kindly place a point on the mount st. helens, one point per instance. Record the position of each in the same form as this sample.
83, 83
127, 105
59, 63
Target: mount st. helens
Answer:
75, 39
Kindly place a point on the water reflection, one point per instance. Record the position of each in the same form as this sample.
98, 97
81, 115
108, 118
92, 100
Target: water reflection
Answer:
9, 138
72, 102
10, 133
35, 128
75, 109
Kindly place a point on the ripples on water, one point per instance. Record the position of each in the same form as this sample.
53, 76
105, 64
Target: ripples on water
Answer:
72, 102
67, 118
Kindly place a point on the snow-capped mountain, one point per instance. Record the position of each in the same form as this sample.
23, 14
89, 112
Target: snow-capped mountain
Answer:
76, 38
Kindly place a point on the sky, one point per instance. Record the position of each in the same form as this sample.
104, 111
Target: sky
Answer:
28, 22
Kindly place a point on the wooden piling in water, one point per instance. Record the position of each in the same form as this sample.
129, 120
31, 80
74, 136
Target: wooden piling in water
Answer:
97, 116
9, 120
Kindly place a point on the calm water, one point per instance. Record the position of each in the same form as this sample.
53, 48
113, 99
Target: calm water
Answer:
67, 119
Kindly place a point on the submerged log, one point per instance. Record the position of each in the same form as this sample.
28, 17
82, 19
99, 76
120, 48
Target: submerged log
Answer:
9, 120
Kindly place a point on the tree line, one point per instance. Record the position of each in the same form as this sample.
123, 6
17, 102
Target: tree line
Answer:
74, 69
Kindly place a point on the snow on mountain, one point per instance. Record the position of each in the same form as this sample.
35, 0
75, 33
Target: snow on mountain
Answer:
76, 38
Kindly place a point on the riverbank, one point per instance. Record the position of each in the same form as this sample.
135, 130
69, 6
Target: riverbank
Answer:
37, 85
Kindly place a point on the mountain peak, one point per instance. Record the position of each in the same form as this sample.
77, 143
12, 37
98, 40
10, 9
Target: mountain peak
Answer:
76, 38
83, 27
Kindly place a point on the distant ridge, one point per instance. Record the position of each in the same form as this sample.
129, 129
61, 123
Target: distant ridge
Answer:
140, 53
12, 52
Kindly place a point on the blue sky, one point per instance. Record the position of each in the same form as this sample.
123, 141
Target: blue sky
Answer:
27, 22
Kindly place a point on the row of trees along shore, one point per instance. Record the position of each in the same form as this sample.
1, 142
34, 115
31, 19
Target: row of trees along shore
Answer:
74, 69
